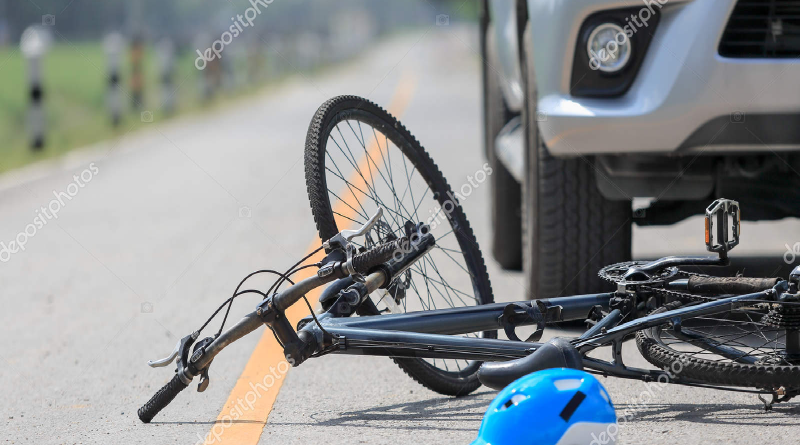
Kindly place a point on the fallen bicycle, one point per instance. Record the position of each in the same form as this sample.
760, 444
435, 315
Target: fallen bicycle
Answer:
414, 248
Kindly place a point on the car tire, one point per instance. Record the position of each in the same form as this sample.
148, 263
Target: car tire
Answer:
570, 231
505, 191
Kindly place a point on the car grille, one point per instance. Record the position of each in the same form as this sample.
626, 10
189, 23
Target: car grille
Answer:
763, 29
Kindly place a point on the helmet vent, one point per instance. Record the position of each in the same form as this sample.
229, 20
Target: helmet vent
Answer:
567, 384
515, 399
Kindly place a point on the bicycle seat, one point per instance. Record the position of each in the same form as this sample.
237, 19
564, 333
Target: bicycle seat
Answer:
556, 353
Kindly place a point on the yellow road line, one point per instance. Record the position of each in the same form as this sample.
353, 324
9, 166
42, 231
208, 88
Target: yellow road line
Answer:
247, 409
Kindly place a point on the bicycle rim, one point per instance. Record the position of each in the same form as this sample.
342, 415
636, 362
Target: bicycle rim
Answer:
361, 160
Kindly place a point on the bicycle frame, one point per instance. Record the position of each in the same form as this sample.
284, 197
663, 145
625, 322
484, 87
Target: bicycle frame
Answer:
433, 334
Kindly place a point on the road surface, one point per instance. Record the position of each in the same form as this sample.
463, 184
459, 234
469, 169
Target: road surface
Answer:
172, 217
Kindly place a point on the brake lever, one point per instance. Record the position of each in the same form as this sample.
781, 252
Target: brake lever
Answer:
342, 239
350, 234
166, 360
183, 344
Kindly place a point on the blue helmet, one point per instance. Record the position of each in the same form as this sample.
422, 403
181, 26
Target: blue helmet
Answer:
551, 407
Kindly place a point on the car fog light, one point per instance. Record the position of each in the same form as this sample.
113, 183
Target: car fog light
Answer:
609, 48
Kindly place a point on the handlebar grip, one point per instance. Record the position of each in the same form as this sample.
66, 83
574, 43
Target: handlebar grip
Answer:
730, 285
363, 262
161, 399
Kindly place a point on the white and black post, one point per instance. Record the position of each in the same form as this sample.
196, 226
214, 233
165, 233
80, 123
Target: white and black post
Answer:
33, 44
114, 45
166, 58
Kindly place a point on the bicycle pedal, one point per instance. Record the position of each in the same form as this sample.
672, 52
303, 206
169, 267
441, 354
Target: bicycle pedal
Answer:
724, 213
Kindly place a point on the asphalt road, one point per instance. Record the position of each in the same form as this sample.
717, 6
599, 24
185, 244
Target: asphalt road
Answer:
173, 215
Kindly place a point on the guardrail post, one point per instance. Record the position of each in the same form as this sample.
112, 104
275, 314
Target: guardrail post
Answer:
113, 45
137, 71
166, 58
34, 43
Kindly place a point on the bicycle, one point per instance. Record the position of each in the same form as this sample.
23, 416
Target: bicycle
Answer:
731, 333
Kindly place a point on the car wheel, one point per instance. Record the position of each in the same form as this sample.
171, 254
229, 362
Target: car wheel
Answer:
570, 230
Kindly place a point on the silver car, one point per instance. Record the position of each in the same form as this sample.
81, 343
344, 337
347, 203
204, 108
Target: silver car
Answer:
589, 104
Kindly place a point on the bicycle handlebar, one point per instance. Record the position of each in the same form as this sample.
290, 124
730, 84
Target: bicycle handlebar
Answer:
360, 263
363, 262
246, 325
161, 399
730, 285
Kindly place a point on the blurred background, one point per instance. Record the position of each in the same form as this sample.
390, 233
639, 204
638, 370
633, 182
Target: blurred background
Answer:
73, 72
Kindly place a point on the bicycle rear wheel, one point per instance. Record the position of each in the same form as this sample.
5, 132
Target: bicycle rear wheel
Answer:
757, 347
359, 158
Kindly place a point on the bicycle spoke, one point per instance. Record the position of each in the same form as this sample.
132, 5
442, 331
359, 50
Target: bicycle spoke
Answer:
455, 261
747, 337
370, 169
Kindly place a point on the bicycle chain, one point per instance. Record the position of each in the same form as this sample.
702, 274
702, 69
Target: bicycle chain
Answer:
777, 315
605, 275
614, 273
683, 296
783, 316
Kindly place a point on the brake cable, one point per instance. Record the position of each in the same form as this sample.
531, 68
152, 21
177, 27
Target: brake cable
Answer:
276, 285
292, 270
236, 293
314, 316
283, 277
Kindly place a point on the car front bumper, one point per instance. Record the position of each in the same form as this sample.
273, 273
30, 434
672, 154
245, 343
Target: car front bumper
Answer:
686, 98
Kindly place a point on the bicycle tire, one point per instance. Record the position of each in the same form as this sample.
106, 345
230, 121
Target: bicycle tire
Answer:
759, 376
355, 108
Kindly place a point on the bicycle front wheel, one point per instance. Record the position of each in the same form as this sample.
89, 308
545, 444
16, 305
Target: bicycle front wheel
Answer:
359, 158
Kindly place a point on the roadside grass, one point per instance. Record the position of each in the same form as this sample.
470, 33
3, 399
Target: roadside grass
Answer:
75, 86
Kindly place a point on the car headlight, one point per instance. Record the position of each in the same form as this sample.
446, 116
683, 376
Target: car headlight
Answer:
608, 52
609, 48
